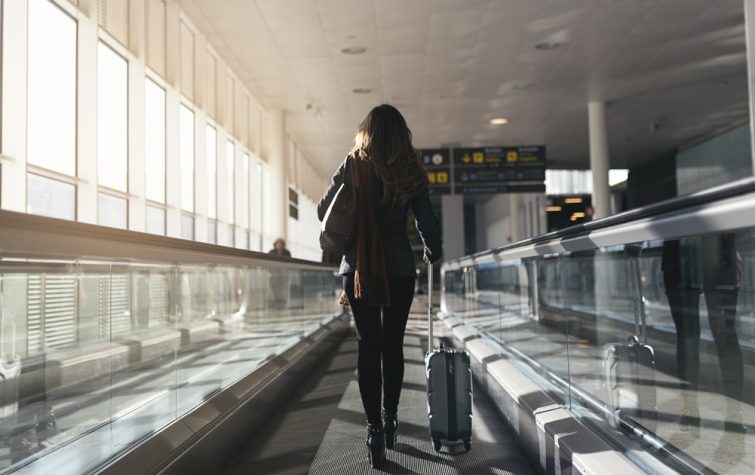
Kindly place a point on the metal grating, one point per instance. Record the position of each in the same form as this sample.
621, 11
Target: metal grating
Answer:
113, 17
156, 36
58, 314
187, 62
34, 314
158, 300
212, 81
230, 92
120, 308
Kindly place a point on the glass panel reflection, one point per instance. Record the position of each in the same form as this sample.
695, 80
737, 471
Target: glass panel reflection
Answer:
655, 339
96, 355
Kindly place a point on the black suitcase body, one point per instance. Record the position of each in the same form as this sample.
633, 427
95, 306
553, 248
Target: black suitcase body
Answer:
449, 396
449, 389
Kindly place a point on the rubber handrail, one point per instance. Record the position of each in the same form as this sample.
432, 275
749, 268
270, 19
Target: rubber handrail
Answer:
739, 187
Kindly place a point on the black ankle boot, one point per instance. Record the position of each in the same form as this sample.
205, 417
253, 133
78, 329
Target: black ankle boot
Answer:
390, 425
375, 445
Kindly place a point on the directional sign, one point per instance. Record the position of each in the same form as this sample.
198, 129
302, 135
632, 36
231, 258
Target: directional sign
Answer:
438, 165
499, 169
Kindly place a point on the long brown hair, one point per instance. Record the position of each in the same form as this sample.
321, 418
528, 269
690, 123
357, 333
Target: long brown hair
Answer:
384, 140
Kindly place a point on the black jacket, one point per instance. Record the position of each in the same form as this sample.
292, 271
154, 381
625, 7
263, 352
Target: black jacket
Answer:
399, 258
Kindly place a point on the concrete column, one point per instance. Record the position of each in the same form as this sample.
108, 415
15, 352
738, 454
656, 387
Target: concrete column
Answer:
200, 173
515, 217
601, 202
542, 216
750, 38
136, 132
172, 163
136, 148
172, 116
225, 230
599, 159
86, 129
278, 162
452, 209
13, 124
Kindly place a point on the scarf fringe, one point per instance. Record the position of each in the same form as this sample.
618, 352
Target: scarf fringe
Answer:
357, 286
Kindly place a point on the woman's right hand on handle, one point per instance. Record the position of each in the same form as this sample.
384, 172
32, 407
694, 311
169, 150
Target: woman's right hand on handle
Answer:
427, 259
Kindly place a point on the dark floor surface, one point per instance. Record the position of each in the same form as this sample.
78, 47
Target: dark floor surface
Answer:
321, 430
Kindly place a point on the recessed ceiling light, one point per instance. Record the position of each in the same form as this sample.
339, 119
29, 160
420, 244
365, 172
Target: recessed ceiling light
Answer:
499, 121
361, 90
547, 46
354, 50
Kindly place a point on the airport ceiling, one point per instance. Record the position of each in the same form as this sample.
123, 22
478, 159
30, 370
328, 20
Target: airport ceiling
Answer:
672, 71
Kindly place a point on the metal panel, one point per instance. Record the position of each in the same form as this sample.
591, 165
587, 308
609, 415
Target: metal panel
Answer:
112, 15
156, 36
187, 62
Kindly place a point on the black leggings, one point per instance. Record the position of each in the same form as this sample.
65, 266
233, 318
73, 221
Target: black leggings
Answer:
378, 338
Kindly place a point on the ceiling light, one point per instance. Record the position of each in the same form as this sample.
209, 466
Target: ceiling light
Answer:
361, 90
576, 215
354, 50
547, 46
571, 201
499, 121
552, 209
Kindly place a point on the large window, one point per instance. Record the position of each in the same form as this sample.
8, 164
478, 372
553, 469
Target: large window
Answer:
154, 138
155, 220
187, 226
112, 119
112, 211
212, 172
51, 95
230, 158
266, 197
245, 197
186, 131
212, 232
48, 197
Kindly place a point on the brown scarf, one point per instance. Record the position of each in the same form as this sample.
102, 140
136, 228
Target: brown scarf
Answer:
371, 277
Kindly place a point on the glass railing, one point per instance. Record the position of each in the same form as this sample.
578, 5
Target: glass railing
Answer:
642, 324
107, 336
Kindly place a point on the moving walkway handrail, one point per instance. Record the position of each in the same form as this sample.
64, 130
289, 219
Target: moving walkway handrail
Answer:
708, 211
28, 236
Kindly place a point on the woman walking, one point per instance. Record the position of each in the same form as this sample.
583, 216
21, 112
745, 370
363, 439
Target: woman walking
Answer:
379, 271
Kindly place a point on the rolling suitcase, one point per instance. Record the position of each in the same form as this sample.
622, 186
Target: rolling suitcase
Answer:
629, 367
449, 388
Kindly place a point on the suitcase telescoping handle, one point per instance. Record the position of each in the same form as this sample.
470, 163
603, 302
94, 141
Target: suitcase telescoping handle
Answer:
429, 308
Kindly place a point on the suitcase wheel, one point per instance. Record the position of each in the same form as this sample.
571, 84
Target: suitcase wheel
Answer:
437, 445
468, 445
